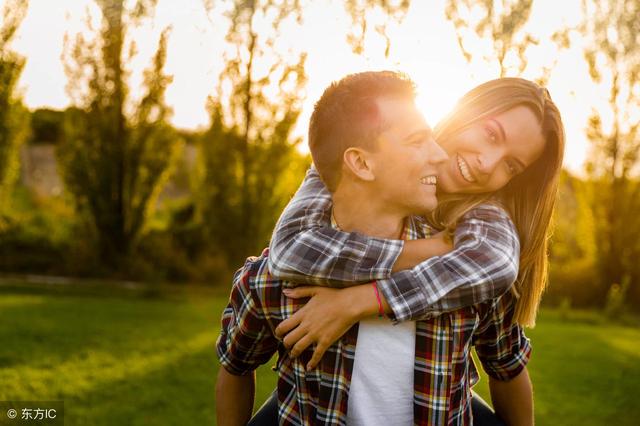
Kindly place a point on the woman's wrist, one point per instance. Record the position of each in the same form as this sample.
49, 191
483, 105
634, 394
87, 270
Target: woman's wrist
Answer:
362, 302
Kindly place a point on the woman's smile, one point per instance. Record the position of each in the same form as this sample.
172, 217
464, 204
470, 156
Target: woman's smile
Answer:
464, 169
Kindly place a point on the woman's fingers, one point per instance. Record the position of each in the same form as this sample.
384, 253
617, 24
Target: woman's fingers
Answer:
293, 337
301, 345
319, 351
300, 292
289, 324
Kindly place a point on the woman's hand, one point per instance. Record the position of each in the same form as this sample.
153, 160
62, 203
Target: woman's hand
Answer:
327, 315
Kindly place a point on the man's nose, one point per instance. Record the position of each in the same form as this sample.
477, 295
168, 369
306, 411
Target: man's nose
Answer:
435, 153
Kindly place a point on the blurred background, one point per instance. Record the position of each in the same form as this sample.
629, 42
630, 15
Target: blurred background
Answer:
148, 146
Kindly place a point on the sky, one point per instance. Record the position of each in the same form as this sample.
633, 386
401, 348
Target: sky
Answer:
424, 46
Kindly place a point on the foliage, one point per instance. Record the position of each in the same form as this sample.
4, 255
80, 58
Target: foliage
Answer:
247, 155
47, 126
573, 246
494, 30
612, 50
360, 12
117, 154
13, 116
37, 234
499, 21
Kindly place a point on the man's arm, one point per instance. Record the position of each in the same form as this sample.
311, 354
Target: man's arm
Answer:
246, 341
234, 398
513, 399
504, 351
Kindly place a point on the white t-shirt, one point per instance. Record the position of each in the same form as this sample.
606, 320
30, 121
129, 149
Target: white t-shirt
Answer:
381, 391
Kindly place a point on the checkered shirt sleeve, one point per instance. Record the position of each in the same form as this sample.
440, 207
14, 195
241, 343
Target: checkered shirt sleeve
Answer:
483, 265
501, 345
305, 249
246, 340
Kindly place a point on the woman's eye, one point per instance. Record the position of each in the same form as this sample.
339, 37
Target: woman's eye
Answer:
491, 134
513, 169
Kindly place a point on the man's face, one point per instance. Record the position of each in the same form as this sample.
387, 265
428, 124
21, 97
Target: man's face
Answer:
407, 159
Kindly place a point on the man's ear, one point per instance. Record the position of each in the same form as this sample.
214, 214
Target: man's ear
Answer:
359, 162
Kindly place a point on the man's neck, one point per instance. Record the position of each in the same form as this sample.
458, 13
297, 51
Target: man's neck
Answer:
355, 210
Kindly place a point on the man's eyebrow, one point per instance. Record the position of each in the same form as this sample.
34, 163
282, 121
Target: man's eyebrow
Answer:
425, 132
500, 128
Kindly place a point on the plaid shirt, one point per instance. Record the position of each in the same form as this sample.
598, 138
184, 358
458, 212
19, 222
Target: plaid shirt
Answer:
443, 368
484, 264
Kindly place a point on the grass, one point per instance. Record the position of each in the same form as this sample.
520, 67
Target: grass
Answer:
135, 357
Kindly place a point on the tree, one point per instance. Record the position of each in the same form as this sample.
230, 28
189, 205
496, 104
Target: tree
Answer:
117, 151
359, 10
248, 164
46, 126
14, 122
248, 152
573, 245
497, 22
612, 33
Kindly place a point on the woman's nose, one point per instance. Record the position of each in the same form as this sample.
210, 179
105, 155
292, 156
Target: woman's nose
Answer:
488, 161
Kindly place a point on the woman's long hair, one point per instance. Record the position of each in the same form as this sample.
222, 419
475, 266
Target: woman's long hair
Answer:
529, 197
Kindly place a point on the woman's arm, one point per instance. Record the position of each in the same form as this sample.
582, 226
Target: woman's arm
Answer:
483, 266
415, 252
305, 249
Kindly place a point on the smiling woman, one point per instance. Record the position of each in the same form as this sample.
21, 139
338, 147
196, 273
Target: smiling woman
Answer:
486, 155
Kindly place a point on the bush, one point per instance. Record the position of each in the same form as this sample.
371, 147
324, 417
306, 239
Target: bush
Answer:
575, 283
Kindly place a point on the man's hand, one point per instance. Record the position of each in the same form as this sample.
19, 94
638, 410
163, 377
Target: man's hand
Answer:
234, 398
327, 315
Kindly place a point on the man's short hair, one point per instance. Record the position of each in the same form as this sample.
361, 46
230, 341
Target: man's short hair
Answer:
347, 115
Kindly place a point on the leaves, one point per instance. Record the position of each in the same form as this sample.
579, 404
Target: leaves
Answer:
115, 163
361, 12
500, 22
14, 119
610, 29
248, 149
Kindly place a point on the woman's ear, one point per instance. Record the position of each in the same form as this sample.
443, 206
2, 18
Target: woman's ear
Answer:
360, 163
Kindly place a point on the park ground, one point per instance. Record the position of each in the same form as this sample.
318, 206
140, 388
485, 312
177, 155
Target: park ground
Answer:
125, 354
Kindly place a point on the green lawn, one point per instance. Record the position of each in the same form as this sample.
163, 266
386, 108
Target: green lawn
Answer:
140, 357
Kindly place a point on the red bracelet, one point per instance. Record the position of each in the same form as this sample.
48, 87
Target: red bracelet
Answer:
380, 308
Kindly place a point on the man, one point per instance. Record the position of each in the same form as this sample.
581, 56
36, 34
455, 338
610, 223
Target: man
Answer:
376, 154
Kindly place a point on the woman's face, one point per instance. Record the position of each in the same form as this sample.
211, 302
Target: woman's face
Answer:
485, 156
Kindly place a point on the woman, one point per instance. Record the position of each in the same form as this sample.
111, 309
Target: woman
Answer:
494, 160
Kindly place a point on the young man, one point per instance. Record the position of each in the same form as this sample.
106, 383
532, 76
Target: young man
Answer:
376, 154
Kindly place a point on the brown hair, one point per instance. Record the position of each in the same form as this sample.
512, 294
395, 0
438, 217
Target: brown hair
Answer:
529, 197
347, 115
